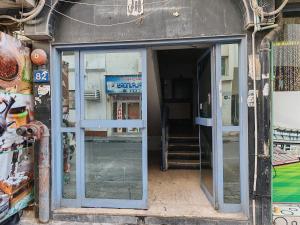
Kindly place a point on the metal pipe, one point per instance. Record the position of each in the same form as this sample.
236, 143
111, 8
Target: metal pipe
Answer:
40, 132
44, 176
261, 13
265, 48
255, 122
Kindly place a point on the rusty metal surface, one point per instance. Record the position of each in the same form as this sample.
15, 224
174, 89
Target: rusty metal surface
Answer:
40, 133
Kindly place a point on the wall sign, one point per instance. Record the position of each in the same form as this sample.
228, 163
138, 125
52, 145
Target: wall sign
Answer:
41, 76
119, 84
135, 7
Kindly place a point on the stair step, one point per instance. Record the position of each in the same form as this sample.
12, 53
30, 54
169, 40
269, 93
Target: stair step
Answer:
184, 164
190, 140
184, 138
184, 153
183, 145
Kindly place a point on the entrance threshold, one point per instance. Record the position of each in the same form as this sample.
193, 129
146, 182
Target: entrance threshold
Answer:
174, 198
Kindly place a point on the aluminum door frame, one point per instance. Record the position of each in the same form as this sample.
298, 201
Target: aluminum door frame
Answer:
141, 124
242, 129
217, 129
56, 200
211, 52
57, 166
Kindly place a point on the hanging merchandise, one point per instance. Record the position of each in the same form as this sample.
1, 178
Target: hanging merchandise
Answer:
16, 109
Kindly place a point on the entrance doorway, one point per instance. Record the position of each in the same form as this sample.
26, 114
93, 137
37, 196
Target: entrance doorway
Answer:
201, 128
114, 102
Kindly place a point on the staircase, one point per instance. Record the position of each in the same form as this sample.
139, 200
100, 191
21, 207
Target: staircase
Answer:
183, 153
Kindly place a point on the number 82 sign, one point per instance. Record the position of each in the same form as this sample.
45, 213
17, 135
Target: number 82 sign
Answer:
41, 76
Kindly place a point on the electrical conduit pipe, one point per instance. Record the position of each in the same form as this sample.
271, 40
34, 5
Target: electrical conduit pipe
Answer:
40, 132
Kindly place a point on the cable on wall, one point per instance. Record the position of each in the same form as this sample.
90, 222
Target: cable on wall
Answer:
35, 12
93, 4
106, 25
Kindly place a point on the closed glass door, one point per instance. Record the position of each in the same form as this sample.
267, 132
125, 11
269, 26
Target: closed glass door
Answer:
104, 119
113, 119
230, 133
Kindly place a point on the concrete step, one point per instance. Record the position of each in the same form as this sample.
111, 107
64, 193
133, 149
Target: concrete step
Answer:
111, 219
183, 164
188, 155
181, 139
189, 145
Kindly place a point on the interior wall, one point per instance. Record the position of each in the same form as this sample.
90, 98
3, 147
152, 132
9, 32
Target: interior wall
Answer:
179, 64
154, 101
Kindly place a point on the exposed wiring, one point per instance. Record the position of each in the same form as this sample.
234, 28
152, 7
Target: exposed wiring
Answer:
105, 25
7, 23
93, 4
29, 13
260, 12
35, 12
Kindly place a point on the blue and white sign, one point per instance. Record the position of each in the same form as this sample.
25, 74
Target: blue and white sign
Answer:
120, 84
41, 76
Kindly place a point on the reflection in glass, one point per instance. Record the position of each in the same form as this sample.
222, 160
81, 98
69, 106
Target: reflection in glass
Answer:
230, 84
206, 158
231, 176
68, 89
113, 85
113, 164
204, 76
205, 132
69, 165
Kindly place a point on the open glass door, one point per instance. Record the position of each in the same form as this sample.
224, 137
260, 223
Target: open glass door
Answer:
205, 78
222, 120
113, 129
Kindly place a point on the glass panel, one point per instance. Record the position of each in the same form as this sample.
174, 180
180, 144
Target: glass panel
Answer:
206, 158
112, 81
231, 176
113, 163
205, 108
230, 84
69, 165
204, 76
68, 89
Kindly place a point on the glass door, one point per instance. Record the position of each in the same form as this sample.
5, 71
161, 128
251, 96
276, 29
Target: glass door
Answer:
206, 109
103, 129
222, 120
231, 129
113, 129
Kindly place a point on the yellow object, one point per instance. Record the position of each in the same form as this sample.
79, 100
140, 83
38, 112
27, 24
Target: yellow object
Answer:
276, 210
20, 119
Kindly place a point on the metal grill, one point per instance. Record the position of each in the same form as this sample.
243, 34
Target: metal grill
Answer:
286, 59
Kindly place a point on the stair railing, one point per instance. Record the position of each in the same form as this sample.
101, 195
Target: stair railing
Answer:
165, 138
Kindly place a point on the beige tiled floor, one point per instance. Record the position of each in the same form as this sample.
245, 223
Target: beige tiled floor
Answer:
175, 193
